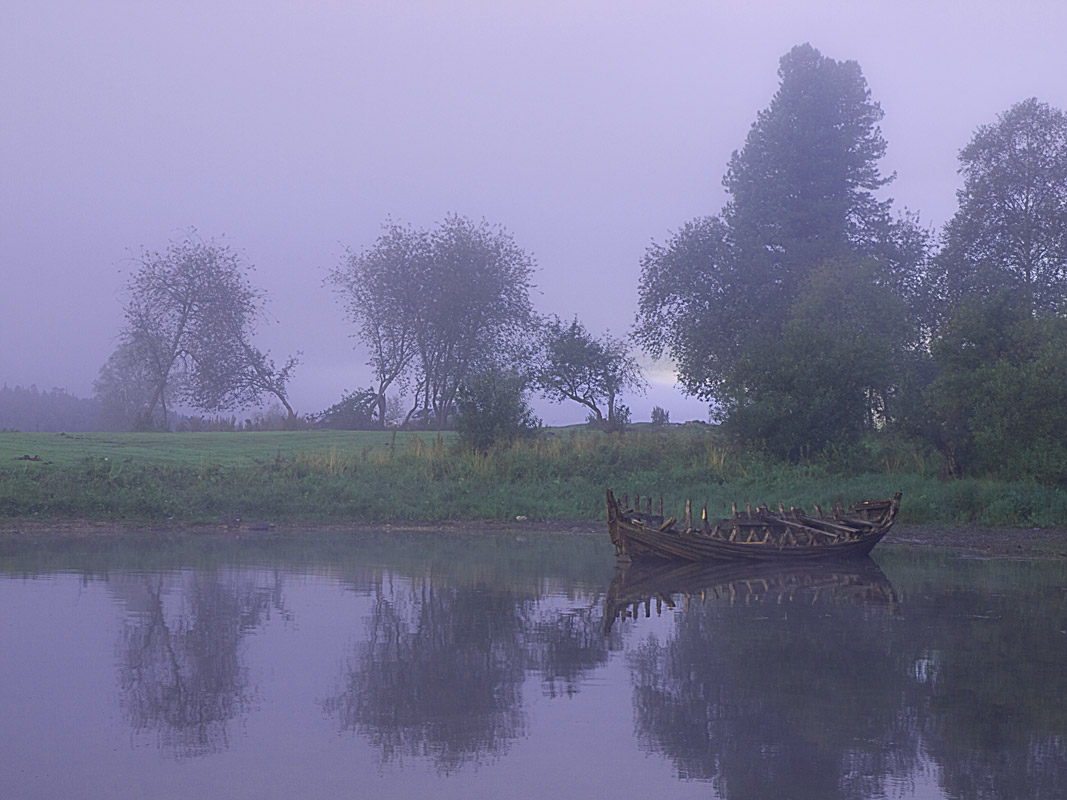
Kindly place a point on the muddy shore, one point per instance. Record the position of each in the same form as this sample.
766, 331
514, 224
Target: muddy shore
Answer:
985, 542
970, 541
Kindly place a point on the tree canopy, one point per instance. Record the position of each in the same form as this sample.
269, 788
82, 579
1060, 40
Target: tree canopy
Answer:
572, 364
998, 402
1011, 226
30, 409
801, 188
730, 299
190, 317
434, 307
830, 374
997, 379
807, 312
691, 306
125, 386
379, 288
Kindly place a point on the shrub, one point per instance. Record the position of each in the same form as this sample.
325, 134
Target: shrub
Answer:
492, 407
353, 412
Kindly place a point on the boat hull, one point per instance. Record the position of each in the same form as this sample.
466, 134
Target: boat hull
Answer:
758, 536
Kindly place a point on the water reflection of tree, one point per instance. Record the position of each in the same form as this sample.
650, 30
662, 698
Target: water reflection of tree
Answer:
777, 701
995, 720
180, 667
439, 675
830, 700
441, 671
564, 647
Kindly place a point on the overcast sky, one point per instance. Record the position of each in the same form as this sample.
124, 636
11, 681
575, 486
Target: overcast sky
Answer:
587, 128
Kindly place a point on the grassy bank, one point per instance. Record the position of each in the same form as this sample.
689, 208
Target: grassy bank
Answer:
370, 476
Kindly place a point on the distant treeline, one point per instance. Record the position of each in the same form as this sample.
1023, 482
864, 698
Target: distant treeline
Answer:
32, 410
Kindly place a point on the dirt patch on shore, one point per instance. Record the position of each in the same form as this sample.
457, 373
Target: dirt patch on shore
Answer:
984, 542
970, 541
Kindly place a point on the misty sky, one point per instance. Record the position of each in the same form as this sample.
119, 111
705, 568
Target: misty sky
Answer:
587, 128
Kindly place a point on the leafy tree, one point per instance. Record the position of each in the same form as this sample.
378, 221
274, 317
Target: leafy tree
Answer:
1011, 226
234, 372
476, 308
190, 316
575, 365
831, 375
439, 307
999, 401
721, 297
492, 407
801, 189
124, 388
993, 403
691, 304
380, 290
661, 417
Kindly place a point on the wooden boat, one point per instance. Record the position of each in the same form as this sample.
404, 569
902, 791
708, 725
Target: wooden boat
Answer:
639, 588
752, 534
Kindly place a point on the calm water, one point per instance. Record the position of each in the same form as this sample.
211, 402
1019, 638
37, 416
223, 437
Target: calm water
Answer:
500, 667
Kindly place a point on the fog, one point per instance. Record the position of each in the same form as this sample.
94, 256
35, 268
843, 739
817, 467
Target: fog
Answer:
294, 129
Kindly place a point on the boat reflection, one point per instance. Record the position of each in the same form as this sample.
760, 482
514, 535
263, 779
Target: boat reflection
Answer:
638, 587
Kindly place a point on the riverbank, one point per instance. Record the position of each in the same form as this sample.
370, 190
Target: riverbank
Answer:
975, 542
378, 478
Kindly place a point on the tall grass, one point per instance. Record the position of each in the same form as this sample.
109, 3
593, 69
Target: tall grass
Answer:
429, 477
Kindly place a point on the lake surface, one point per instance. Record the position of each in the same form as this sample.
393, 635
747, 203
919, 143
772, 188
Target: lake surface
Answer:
497, 666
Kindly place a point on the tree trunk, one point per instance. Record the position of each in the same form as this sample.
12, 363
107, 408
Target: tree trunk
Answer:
381, 408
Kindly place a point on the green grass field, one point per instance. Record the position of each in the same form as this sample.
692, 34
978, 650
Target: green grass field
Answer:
364, 476
195, 449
